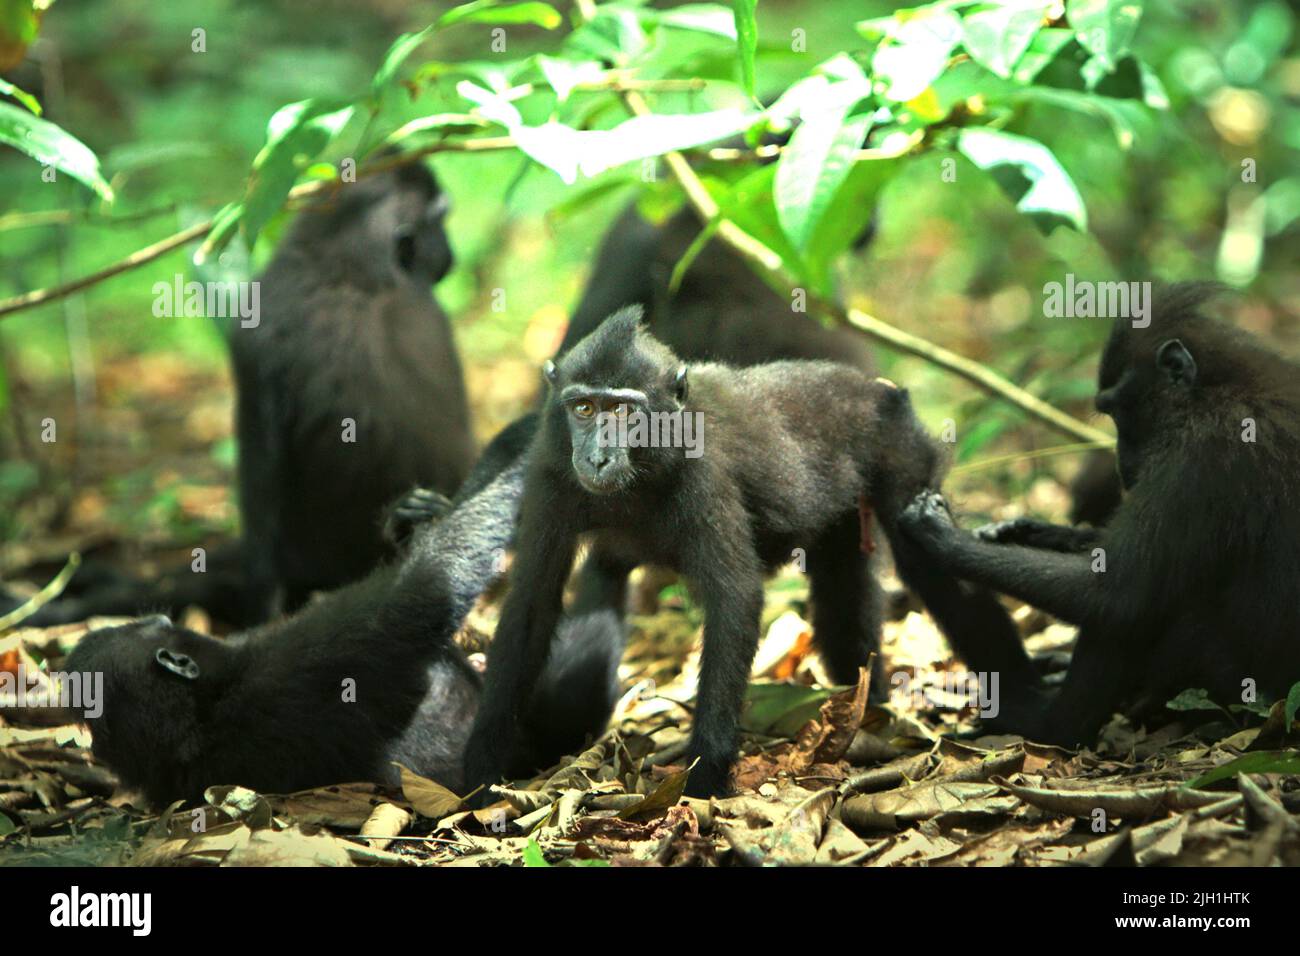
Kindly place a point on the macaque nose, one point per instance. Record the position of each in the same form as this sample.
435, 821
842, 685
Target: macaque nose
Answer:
599, 462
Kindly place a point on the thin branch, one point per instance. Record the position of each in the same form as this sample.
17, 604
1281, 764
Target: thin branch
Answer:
42, 597
998, 460
981, 376
30, 300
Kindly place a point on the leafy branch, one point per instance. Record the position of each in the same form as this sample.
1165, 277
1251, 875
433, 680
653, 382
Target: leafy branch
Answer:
947, 77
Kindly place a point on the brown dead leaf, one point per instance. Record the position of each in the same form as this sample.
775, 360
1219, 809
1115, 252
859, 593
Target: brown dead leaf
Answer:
346, 806
289, 847
430, 799
658, 801
923, 801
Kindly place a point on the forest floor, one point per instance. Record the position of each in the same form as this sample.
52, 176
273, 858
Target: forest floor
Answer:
824, 778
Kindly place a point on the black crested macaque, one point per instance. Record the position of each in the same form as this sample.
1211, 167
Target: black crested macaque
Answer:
350, 390
365, 676
789, 455
721, 312
1195, 581
349, 393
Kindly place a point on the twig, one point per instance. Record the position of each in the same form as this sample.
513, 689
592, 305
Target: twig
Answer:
42, 597
997, 460
29, 300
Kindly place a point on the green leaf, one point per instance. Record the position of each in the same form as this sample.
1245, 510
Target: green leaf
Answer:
916, 52
996, 38
49, 145
1194, 698
402, 48
746, 40
493, 11
698, 244
1105, 28
1028, 173
22, 96
20, 21
813, 167
1043, 49
570, 152
7, 826
1264, 761
575, 200
1258, 708
533, 855
564, 75
853, 206
224, 225
295, 135
439, 124
1292, 705
1123, 116
750, 204
780, 709
615, 34
712, 18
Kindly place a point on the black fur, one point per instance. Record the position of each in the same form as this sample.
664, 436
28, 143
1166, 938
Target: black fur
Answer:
1201, 586
1095, 490
722, 311
267, 707
348, 329
789, 449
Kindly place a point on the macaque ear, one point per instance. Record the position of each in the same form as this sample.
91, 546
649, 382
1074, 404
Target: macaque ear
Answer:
1174, 360
182, 665
681, 385
548, 369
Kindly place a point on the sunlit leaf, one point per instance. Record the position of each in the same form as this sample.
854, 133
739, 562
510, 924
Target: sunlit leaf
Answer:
564, 75
50, 145
854, 207
494, 11
296, 134
1042, 49
22, 96
615, 34
1029, 173
713, 18
813, 166
997, 37
224, 226
570, 152
916, 52
401, 48
1105, 28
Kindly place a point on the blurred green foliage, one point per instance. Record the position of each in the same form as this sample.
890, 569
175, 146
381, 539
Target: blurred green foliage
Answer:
1174, 136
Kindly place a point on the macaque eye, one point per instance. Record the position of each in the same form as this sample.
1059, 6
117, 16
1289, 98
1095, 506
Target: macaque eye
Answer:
584, 408
621, 409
